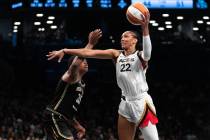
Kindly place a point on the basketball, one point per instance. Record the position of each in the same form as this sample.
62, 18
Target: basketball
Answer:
136, 12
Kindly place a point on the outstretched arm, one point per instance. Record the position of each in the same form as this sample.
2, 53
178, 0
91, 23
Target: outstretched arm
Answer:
87, 53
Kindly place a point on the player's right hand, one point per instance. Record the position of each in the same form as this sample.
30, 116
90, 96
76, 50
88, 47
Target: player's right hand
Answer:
56, 54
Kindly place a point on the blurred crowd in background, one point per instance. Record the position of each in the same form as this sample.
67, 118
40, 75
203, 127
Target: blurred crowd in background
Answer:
178, 75
178, 79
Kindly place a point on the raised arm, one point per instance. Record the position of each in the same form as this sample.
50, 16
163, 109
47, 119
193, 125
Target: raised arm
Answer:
73, 69
93, 38
147, 46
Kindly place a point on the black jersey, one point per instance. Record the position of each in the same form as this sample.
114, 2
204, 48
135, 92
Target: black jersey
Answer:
67, 98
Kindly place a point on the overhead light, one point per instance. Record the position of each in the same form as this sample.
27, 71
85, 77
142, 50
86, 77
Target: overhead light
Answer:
161, 28
206, 17
155, 24
49, 22
152, 21
15, 31
40, 15
167, 22
41, 29
37, 23
165, 15
169, 26
208, 23
17, 23
15, 27
180, 17
195, 28
53, 27
200, 21
51, 17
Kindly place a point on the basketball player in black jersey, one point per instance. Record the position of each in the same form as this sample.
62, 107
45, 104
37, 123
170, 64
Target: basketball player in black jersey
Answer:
59, 120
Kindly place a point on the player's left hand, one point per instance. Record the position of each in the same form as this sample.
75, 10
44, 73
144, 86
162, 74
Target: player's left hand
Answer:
56, 54
94, 36
145, 22
80, 132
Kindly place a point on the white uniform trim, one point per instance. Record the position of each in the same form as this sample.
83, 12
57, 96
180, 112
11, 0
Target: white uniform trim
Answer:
134, 110
54, 120
59, 131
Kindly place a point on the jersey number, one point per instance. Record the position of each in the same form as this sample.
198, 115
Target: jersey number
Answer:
125, 67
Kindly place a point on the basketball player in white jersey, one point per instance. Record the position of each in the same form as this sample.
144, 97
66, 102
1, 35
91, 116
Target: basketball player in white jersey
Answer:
136, 109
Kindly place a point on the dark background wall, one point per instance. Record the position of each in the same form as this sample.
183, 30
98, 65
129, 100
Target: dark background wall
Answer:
178, 74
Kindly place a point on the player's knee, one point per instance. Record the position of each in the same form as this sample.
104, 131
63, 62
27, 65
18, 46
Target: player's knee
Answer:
150, 132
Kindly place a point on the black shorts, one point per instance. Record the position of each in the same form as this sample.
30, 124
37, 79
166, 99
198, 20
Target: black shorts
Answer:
57, 126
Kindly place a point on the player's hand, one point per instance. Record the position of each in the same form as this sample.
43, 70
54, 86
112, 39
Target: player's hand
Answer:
145, 21
94, 36
56, 54
80, 132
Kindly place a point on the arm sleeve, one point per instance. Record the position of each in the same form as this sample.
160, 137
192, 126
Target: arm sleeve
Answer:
147, 48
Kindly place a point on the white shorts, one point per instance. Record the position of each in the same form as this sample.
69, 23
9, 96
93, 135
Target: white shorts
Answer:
134, 108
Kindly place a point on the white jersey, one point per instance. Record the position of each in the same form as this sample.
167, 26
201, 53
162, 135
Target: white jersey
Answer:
131, 75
